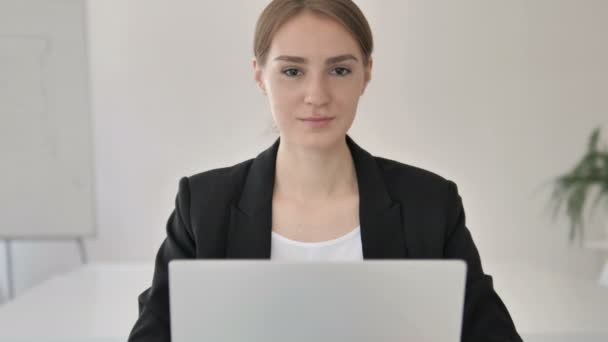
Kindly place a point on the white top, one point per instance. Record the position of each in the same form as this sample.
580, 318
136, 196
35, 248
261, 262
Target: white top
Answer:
345, 247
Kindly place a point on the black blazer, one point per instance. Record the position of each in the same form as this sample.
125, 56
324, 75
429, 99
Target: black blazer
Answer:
405, 212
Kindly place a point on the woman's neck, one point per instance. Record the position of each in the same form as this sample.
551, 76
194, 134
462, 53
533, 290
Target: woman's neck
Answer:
307, 174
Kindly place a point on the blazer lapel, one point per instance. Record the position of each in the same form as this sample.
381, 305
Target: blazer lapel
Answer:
249, 232
250, 228
382, 232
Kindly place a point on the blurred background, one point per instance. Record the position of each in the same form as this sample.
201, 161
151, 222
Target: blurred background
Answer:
106, 104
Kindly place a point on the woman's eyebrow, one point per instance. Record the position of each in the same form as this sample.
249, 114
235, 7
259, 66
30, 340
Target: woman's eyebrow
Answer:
302, 60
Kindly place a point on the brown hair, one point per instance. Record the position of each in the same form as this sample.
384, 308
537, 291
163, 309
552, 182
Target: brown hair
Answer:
278, 12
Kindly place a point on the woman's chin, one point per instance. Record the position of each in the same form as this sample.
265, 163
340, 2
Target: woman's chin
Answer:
319, 140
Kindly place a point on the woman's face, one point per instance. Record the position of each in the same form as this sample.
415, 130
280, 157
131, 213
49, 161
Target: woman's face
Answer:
314, 69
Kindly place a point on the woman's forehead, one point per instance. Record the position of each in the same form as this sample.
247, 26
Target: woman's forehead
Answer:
313, 37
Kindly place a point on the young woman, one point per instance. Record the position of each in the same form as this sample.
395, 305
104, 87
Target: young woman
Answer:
315, 194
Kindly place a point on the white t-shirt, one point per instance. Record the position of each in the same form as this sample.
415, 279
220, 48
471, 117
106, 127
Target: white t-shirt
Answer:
344, 248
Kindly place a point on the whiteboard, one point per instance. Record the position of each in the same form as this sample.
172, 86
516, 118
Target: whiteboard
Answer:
46, 162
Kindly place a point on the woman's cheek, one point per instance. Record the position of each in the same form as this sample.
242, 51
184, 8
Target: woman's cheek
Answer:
282, 110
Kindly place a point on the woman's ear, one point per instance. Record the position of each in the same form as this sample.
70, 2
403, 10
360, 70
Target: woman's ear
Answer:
368, 74
257, 75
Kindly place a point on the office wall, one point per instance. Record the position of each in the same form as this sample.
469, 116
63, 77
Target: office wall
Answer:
45, 128
45, 135
498, 96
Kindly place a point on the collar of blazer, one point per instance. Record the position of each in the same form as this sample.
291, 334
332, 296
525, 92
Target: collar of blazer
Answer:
249, 232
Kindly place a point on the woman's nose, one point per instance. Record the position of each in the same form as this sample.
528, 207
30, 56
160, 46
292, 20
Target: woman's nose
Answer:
317, 92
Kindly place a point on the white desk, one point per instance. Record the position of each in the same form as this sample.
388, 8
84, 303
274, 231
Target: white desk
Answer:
98, 303
551, 302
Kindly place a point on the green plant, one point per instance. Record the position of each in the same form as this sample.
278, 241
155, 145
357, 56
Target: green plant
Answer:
573, 188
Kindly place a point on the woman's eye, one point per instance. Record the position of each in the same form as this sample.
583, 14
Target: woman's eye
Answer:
290, 72
342, 71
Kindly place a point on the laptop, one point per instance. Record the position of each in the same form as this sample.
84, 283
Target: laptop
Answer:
270, 300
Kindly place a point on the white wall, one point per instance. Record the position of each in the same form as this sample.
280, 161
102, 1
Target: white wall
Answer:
499, 96
45, 135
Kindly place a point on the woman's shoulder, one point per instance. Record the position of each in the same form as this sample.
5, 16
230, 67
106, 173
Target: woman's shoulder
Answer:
416, 186
396, 172
219, 174
218, 183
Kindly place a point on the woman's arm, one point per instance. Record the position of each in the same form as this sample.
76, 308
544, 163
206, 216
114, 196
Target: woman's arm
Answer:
153, 322
485, 316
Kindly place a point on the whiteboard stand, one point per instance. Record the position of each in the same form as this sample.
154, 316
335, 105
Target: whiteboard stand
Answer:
9, 270
82, 250
9, 262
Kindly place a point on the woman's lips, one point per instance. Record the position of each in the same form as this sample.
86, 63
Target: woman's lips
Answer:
317, 121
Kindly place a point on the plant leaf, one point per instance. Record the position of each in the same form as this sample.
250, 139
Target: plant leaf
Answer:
594, 139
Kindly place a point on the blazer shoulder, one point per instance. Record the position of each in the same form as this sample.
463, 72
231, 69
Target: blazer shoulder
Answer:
396, 173
218, 183
415, 186
221, 173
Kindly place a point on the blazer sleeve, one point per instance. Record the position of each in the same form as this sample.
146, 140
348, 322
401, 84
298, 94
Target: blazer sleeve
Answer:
153, 322
485, 316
